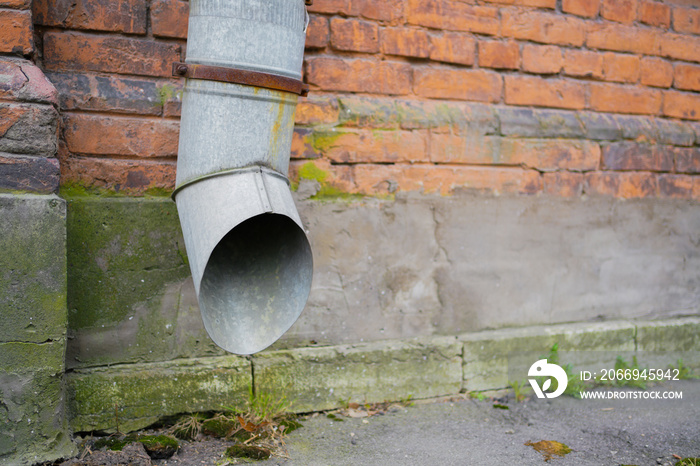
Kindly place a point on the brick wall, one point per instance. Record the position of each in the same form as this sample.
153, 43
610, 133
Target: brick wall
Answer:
527, 96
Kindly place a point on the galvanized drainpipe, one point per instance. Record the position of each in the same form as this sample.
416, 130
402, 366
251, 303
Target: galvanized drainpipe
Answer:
250, 259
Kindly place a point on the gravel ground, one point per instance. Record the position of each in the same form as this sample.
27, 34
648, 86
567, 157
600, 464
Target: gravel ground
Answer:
472, 432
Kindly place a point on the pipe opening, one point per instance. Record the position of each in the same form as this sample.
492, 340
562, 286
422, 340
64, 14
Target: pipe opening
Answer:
256, 283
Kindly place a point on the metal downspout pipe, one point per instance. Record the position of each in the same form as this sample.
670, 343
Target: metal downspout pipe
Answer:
251, 261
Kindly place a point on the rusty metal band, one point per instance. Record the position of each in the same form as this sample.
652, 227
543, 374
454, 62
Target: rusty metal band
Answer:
236, 76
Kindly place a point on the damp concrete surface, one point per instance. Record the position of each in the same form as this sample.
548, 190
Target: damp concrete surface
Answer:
470, 431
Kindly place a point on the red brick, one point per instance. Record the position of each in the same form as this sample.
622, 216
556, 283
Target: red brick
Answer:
475, 85
542, 59
497, 54
343, 7
622, 11
623, 99
135, 137
656, 72
453, 16
318, 32
316, 111
620, 68
686, 77
540, 154
16, 32
29, 174
621, 38
354, 35
406, 42
22, 81
69, 51
675, 186
16, 4
531, 3
128, 16
680, 47
336, 74
548, 28
686, 20
453, 47
302, 145
583, 64
337, 176
375, 146
687, 160
373, 179
169, 18
131, 176
622, 184
586, 8
684, 105
562, 183
654, 13
637, 156
531, 90
387, 10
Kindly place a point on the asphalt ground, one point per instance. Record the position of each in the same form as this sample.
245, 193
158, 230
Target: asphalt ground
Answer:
469, 431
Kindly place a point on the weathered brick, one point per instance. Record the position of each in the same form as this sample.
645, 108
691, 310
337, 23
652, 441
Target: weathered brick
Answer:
23, 81
354, 35
109, 54
674, 132
540, 154
675, 186
635, 156
302, 145
542, 59
132, 176
586, 8
498, 54
621, 184
621, 38
532, 3
16, 4
622, 11
656, 72
407, 42
372, 179
16, 32
654, 13
530, 90
343, 7
539, 123
639, 128
337, 176
136, 137
335, 74
548, 28
583, 64
563, 183
687, 160
622, 99
387, 10
686, 77
29, 174
600, 126
453, 47
680, 47
453, 16
79, 91
374, 146
318, 32
128, 16
620, 67
681, 105
367, 112
169, 18
29, 129
475, 85
686, 20
316, 111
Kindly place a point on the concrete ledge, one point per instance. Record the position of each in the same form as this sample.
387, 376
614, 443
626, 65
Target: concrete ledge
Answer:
324, 378
320, 378
143, 393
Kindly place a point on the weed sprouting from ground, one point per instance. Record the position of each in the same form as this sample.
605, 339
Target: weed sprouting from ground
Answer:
574, 385
684, 372
519, 389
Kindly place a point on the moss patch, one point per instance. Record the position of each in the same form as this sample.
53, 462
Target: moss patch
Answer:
550, 448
